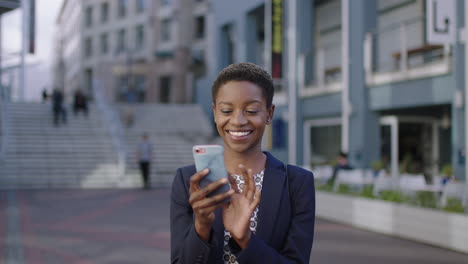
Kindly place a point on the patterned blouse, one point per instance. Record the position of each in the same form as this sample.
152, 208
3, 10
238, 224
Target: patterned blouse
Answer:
228, 257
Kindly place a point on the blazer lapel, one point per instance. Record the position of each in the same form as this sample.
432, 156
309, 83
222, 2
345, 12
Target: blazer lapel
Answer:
272, 190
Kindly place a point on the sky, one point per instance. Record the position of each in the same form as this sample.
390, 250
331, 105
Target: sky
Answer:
39, 75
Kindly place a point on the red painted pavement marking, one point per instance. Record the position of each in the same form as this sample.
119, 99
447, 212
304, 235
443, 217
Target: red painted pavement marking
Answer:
31, 254
105, 210
68, 257
159, 240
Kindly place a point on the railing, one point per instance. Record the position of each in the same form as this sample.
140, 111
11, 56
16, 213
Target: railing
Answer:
4, 98
401, 46
320, 70
113, 123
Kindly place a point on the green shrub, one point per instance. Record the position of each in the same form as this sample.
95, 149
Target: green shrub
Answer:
394, 196
426, 199
327, 187
368, 191
454, 205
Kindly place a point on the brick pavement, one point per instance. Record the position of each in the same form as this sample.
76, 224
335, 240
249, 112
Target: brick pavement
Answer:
132, 226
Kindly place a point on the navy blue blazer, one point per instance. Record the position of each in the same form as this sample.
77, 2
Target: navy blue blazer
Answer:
285, 228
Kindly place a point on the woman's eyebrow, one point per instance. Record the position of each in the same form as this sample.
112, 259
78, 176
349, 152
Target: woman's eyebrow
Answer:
246, 103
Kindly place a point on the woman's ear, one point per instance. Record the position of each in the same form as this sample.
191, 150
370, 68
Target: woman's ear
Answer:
271, 111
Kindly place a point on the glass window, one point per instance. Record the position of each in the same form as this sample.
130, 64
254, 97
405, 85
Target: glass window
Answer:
140, 6
140, 87
165, 89
325, 143
89, 16
121, 45
165, 30
104, 12
140, 36
104, 43
227, 44
200, 27
122, 88
122, 8
88, 47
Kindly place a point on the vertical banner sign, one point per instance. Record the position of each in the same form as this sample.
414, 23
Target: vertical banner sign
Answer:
32, 27
276, 39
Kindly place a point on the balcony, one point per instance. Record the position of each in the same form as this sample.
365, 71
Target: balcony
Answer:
399, 52
324, 71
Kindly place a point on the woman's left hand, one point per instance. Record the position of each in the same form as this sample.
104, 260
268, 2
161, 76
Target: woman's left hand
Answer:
237, 213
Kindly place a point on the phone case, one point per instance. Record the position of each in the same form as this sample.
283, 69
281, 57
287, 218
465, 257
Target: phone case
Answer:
211, 157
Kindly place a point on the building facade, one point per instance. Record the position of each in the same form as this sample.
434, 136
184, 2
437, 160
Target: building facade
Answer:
134, 50
361, 77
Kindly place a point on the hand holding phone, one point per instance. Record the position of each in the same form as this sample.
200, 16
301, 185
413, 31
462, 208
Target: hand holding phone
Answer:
211, 157
209, 180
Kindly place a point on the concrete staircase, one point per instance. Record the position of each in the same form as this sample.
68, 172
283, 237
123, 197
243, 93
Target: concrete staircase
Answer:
78, 154
173, 129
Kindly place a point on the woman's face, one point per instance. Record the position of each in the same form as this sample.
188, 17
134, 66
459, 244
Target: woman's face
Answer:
240, 114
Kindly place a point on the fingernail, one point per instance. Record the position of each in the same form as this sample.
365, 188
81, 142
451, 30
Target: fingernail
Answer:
206, 170
224, 180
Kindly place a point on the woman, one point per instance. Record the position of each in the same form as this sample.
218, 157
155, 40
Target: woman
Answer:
270, 217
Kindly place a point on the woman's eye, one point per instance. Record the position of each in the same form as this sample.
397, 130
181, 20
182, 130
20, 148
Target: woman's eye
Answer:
226, 111
252, 112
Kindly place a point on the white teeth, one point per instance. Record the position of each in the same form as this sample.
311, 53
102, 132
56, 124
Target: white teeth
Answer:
239, 134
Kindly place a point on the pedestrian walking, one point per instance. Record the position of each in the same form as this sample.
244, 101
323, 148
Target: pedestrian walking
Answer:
80, 103
271, 212
45, 96
60, 114
144, 156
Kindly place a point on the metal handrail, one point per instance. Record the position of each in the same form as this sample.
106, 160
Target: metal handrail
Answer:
113, 123
4, 96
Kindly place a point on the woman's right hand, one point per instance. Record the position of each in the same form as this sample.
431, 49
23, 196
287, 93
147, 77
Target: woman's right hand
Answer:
203, 206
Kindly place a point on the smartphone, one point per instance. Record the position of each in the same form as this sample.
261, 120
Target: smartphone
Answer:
211, 157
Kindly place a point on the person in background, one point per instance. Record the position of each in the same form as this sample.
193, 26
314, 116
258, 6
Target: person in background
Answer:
44, 95
144, 155
342, 164
58, 109
80, 103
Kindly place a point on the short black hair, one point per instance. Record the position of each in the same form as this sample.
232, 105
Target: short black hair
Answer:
245, 71
343, 154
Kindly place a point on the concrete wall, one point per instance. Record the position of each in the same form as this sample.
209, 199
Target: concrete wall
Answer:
420, 224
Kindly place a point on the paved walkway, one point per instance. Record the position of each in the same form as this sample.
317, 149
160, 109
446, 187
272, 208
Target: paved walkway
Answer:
132, 226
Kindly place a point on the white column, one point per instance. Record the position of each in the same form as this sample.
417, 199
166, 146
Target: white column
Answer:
368, 55
320, 69
466, 98
345, 75
403, 53
292, 95
24, 43
394, 147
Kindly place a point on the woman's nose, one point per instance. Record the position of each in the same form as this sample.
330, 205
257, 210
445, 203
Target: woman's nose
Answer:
239, 118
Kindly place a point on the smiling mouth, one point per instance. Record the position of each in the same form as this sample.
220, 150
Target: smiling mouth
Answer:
239, 134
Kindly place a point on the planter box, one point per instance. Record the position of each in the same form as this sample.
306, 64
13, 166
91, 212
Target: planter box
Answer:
448, 230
